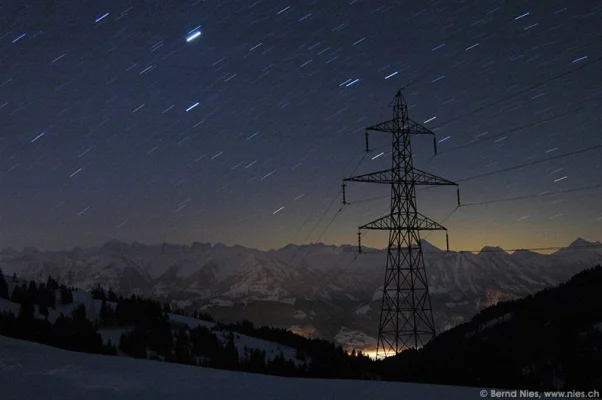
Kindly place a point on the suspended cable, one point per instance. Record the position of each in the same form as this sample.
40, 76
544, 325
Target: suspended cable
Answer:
500, 250
442, 221
324, 231
324, 214
428, 234
315, 226
556, 77
531, 196
531, 163
510, 132
329, 281
599, 146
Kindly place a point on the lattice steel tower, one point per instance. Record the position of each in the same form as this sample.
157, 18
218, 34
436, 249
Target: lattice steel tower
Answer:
406, 318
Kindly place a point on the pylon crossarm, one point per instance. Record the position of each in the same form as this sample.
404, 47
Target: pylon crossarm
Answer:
427, 224
384, 176
387, 126
383, 223
417, 129
424, 178
419, 223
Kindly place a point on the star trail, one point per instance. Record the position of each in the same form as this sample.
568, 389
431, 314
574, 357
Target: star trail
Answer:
235, 121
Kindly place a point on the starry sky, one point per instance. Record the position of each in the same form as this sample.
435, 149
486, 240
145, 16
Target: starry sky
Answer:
236, 121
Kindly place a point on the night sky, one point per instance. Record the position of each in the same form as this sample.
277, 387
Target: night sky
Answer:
184, 121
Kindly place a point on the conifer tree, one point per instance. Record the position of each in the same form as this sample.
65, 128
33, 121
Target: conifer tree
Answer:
51, 284
17, 295
182, 348
43, 310
32, 290
27, 309
66, 296
230, 353
111, 296
3, 286
107, 314
103, 312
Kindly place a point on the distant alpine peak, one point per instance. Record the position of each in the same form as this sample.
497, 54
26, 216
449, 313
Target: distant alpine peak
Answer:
429, 247
580, 242
491, 249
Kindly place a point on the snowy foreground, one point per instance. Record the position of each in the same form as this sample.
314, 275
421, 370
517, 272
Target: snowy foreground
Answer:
34, 371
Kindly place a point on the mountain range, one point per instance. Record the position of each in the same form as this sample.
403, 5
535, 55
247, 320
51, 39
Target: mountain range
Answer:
316, 290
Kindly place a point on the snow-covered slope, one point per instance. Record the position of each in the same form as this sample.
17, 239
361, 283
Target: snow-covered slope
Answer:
33, 371
9, 306
242, 342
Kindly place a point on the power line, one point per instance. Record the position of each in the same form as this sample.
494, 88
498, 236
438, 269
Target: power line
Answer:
500, 250
514, 130
533, 163
488, 250
518, 93
428, 234
509, 97
511, 131
330, 223
443, 220
345, 268
531, 196
572, 153
324, 231
323, 215
478, 203
334, 279
315, 226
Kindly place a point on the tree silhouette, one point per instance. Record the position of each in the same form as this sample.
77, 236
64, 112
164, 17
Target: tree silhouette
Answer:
27, 309
182, 352
17, 295
3, 286
66, 296
104, 318
51, 284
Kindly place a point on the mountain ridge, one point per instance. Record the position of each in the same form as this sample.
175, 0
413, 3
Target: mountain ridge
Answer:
282, 287
578, 242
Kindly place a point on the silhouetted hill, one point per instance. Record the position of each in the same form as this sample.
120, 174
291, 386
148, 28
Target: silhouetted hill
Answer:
550, 340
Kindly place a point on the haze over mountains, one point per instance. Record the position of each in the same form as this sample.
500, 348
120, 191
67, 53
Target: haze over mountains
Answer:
315, 290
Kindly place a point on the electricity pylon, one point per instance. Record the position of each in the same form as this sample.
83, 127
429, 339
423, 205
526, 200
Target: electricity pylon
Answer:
406, 317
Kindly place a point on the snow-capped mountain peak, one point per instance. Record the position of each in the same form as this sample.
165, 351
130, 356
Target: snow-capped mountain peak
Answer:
428, 247
491, 249
580, 242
